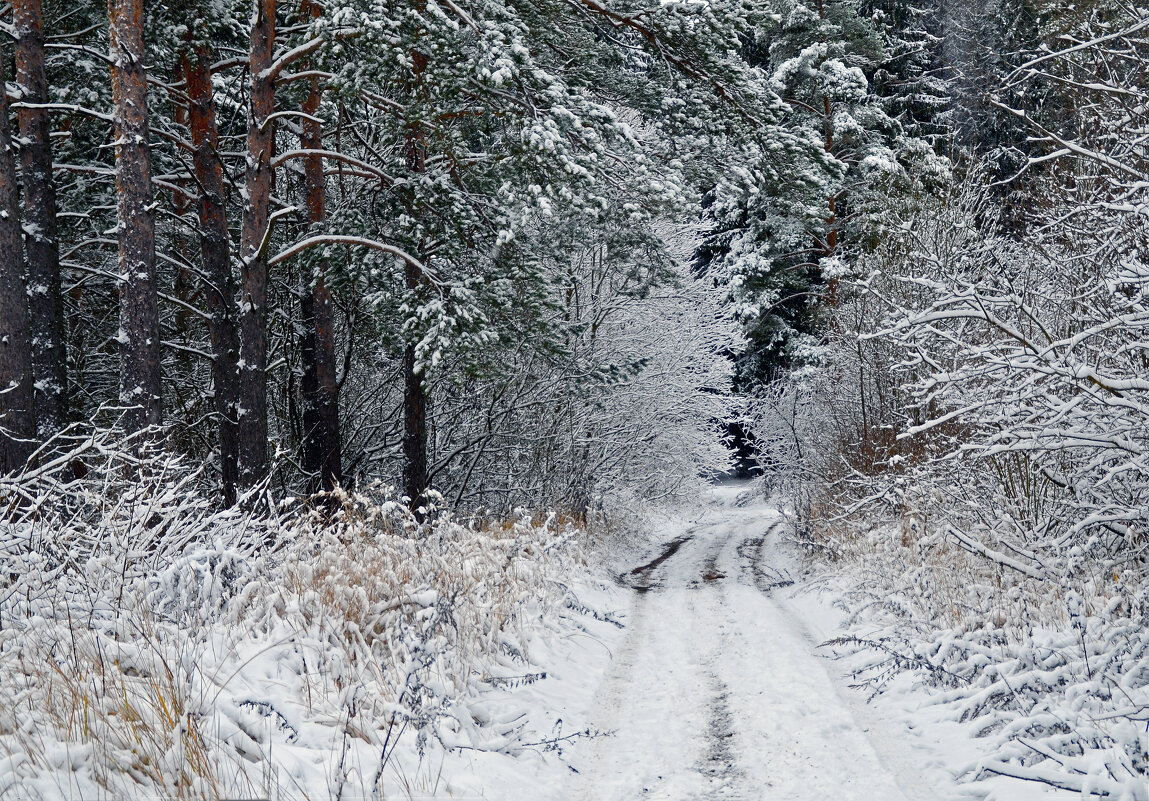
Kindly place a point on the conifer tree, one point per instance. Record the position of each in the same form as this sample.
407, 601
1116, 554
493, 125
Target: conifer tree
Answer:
215, 246
322, 446
17, 421
139, 334
252, 408
41, 240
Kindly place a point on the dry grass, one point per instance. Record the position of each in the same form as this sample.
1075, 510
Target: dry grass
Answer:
132, 670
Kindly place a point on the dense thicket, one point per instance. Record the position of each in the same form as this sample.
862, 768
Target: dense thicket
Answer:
975, 381
989, 346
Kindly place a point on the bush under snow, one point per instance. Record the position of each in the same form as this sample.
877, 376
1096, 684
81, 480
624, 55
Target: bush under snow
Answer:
151, 647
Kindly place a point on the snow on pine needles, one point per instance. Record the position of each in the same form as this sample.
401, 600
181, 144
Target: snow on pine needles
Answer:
150, 647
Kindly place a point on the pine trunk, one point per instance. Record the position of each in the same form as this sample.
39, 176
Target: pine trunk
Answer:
46, 309
831, 248
215, 249
139, 334
321, 440
181, 241
414, 392
256, 220
17, 421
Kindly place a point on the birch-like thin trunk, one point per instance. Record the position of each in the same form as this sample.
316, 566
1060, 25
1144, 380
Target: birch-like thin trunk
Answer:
139, 333
215, 250
17, 421
253, 250
46, 310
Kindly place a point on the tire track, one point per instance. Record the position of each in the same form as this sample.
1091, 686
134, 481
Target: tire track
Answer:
753, 567
714, 696
640, 578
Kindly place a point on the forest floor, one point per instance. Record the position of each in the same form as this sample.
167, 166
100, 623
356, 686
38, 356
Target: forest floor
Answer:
715, 686
712, 660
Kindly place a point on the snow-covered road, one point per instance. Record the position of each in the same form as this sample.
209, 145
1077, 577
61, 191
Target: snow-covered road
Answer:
717, 692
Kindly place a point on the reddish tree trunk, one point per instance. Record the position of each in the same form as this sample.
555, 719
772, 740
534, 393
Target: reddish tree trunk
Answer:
321, 441
832, 221
255, 234
17, 421
215, 249
182, 206
139, 333
46, 312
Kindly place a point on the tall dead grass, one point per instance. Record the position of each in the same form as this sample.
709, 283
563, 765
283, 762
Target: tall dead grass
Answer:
153, 647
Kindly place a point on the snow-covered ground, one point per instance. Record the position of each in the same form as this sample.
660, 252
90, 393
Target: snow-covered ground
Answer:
717, 692
691, 670
715, 687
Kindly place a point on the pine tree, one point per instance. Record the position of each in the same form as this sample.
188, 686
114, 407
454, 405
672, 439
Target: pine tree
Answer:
49, 360
784, 251
17, 420
252, 409
911, 78
215, 248
322, 446
139, 334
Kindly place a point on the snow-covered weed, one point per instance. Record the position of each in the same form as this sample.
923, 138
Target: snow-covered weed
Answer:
150, 646
1054, 674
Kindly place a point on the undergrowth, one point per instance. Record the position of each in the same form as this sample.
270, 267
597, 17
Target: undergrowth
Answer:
1052, 671
151, 646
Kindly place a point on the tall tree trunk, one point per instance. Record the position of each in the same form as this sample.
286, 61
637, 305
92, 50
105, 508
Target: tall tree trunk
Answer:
254, 241
321, 443
17, 420
831, 245
139, 334
831, 248
215, 249
414, 392
182, 207
46, 311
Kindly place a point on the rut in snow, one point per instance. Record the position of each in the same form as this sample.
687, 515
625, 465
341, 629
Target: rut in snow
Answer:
715, 693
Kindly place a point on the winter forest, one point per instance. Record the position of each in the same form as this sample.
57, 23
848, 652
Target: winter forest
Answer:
574, 399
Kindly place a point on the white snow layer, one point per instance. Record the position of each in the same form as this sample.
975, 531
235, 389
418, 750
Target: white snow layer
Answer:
487, 664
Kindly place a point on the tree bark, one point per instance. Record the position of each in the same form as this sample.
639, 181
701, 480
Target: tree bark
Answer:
46, 310
139, 333
414, 394
321, 439
832, 221
17, 420
181, 241
414, 430
215, 250
252, 412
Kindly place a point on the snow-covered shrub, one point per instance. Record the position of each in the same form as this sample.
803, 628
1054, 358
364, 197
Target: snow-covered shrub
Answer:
150, 646
972, 441
1052, 674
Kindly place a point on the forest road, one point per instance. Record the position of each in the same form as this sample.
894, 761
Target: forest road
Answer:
716, 692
